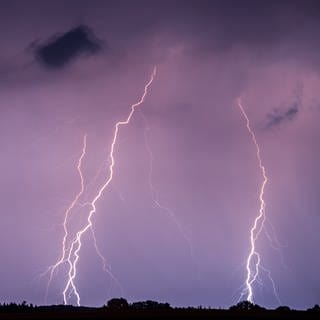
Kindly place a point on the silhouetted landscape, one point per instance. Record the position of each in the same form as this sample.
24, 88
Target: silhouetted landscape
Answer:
119, 308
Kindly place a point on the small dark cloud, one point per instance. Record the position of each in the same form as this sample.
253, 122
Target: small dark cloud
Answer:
291, 112
280, 115
287, 113
62, 49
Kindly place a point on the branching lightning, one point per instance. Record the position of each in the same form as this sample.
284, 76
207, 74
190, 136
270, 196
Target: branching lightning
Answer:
105, 267
253, 262
64, 248
155, 193
77, 242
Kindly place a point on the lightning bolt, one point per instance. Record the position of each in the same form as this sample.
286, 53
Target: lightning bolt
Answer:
105, 267
154, 192
77, 242
253, 262
64, 250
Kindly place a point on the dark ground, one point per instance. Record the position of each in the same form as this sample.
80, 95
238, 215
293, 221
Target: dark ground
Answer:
61, 312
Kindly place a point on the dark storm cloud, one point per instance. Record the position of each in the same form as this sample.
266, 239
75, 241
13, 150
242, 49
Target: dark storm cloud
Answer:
286, 113
278, 116
62, 49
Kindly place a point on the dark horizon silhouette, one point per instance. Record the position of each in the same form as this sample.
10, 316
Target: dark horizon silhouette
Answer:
120, 308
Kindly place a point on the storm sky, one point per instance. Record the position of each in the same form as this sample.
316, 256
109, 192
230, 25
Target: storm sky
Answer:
69, 68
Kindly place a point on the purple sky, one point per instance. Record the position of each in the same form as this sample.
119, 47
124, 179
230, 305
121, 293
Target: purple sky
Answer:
208, 53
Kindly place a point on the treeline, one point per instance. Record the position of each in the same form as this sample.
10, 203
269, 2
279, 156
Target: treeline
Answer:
113, 304
247, 306
123, 304
22, 307
118, 304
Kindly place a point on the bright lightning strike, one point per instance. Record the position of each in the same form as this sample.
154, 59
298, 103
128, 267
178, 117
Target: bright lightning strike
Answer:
77, 243
253, 262
64, 250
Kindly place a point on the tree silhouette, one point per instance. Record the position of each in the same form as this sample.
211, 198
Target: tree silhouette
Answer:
315, 308
246, 305
283, 308
118, 303
149, 305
